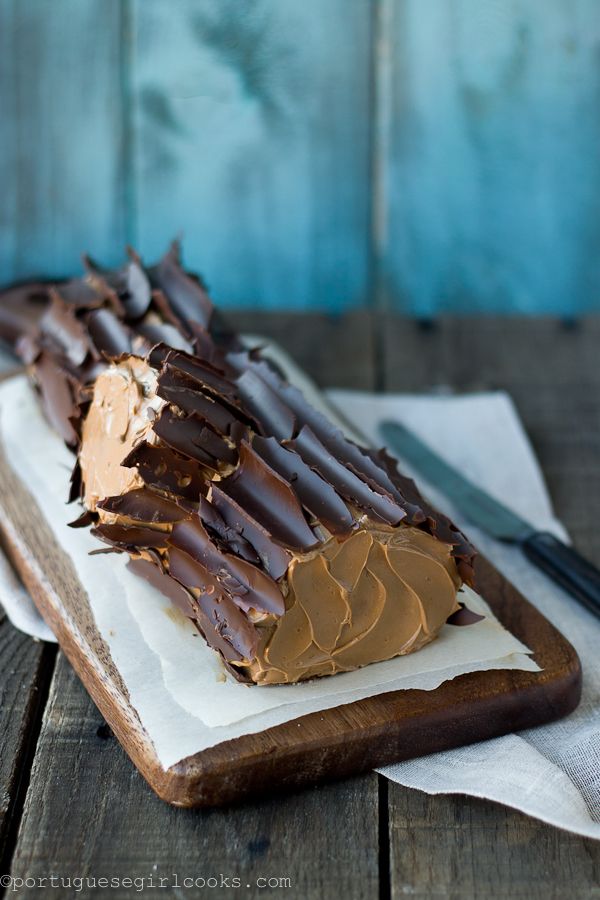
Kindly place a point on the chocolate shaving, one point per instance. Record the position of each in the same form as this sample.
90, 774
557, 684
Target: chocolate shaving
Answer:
187, 295
248, 586
269, 499
193, 437
464, 616
163, 468
345, 482
316, 494
110, 336
273, 557
229, 622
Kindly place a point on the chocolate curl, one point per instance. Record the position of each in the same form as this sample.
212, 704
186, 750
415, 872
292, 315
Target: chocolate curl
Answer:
62, 331
193, 437
144, 505
209, 377
161, 467
224, 534
273, 557
464, 616
204, 613
181, 389
186, 295
268, 499
345, 482
21, 307
110, 337
248, 586
58, 391
130, 537
272, 414
316, 494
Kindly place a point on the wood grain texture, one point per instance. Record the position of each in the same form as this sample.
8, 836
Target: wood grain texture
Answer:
462, 848
24, 674
323, 839
252, 138
493, 196
459, 847
61, 146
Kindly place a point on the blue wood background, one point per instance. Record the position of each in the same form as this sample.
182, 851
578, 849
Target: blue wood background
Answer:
425, 155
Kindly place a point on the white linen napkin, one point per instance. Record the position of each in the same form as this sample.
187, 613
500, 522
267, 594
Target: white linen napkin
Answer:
551, 772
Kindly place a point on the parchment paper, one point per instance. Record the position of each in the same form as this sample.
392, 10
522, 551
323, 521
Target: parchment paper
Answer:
178, 686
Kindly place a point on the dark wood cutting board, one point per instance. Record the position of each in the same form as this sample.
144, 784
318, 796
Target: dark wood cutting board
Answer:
331, 744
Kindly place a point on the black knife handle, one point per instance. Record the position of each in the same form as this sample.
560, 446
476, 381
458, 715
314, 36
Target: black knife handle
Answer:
565, 566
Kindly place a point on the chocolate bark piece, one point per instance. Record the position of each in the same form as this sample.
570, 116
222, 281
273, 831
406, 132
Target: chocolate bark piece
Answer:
272, 414
187, 295
248, 585
63, 332
110, 337
346, 482
59, 397
269, 499
314, 492
145, 505
203, 612
273, 557
193, 437
161, 467
183, 390
224, 534
226, 619
130, 537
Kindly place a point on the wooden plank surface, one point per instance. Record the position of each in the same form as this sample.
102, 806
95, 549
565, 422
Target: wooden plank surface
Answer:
25, 671
492, 193
458, 847
251, 135
61, 145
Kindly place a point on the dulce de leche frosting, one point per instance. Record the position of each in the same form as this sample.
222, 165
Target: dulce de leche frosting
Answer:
123, 406
375, 595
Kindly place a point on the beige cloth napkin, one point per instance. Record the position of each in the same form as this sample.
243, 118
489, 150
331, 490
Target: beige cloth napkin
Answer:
551, 772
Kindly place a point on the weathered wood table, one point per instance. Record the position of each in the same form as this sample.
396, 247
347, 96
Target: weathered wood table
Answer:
71, 803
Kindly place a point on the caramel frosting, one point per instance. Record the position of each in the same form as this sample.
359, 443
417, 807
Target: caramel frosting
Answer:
375, 595
120, 416
296, 552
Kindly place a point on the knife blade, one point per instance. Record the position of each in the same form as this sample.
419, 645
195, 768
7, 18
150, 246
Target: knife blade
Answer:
556, 559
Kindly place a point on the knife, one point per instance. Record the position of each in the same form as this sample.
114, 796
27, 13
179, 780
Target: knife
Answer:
561, 563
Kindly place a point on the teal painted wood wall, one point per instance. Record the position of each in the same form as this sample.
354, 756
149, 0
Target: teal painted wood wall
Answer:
425, 155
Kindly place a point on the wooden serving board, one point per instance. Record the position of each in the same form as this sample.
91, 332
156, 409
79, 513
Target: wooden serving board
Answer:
331, 744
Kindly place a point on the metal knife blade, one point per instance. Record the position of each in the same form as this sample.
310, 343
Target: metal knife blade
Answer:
482, 509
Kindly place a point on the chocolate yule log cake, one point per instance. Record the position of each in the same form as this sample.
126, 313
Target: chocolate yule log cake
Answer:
294, 551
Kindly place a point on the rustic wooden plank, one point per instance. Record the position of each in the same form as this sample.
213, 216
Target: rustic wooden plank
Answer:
336, 352
324, 839
25, 670
61, 148
493, 194
251, 136
459, 847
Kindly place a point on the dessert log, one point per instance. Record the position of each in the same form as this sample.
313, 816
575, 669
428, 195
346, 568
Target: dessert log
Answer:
294, 551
